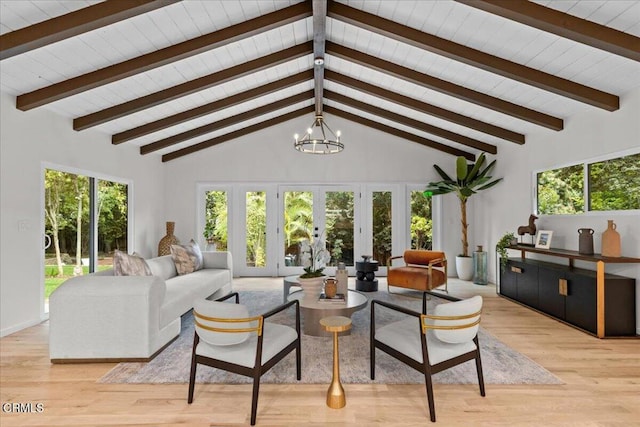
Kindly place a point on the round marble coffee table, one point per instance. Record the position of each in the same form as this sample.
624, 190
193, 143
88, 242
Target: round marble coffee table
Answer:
312, 311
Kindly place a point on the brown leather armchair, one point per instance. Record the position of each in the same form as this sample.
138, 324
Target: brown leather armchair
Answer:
422, 270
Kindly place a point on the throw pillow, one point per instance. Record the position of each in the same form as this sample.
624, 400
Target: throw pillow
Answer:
129, 265
187, 258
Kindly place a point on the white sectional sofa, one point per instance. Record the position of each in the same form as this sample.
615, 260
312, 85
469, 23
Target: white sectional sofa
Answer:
101, 317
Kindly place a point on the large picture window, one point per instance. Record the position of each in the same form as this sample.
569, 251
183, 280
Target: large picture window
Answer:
609, 184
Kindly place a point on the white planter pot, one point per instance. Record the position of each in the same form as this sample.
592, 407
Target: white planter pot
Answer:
464, 267
312, 287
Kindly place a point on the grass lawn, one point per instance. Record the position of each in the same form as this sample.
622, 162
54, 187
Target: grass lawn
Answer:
52, 280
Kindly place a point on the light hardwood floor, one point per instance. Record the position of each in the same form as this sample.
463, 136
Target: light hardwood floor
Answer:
601, 386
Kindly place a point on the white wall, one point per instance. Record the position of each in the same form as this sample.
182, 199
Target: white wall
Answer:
27, 139
585, 136
166, 191
371, 156
268, 156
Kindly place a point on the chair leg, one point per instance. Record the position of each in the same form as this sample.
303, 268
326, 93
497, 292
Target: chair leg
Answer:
192, 382
479, 370
192, 375
373, 362
429, 386
298, 361
372, 348
424, 303
254, 398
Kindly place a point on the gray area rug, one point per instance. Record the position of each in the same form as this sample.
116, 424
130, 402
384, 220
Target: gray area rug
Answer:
501, 364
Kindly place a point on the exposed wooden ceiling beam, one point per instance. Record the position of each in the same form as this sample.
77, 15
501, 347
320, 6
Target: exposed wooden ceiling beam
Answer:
445, 87
407, 121
74, 23
397, 132
211, 107
192, 86
228, 121
237, 134
563, 25
423, 107
473, 57
319, 38
162, 57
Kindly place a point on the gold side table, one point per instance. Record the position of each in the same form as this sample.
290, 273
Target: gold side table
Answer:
335, 395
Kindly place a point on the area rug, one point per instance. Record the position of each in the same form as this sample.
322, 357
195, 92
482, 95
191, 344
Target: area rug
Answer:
501, 364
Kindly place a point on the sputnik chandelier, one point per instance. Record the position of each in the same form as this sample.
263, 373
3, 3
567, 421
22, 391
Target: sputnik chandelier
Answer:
319, 139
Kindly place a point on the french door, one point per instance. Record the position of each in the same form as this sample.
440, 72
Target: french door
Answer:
264, 225
329, 213
254, 243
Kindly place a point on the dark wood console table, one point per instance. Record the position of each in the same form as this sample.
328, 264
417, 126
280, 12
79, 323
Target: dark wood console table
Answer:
538, 291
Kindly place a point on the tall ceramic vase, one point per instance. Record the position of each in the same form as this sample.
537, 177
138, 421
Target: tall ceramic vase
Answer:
164, 246
611, 241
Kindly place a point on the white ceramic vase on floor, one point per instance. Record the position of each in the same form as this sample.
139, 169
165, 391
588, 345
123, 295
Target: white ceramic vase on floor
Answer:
464, 267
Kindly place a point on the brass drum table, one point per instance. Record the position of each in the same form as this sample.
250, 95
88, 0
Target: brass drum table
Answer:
313, 310
336, 398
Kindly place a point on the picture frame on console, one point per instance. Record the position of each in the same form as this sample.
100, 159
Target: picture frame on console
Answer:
543, 239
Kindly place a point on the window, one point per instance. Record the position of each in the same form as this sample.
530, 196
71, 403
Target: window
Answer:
614, 185
561, 191
609, 184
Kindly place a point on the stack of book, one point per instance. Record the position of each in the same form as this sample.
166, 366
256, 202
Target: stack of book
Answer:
338, 298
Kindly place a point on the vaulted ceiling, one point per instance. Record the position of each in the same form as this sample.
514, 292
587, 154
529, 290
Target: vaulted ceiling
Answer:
175, 77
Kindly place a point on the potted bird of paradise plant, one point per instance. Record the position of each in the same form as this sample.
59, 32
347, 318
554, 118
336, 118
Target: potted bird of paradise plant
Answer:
470, 178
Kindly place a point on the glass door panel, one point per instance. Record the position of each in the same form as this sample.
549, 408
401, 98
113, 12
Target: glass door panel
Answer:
85, 220
297, 224
113, 215
381, 226
421, 222
66, 202
256, 229
216, 220
311, 212
339, 226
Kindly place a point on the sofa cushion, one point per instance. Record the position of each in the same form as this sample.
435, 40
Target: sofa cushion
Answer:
163, 267
183, 290
129, 265
422, 257
415, 278
187, 258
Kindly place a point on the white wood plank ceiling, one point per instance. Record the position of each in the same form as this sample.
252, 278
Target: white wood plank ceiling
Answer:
349, 70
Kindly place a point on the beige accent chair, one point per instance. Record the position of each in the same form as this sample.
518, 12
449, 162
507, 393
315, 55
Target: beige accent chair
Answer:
431, 343
227, 338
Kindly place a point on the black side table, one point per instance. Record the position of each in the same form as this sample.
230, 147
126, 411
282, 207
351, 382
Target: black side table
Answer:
365, 275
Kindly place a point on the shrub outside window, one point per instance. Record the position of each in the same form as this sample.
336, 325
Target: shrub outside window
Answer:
614, 185
561, 191
606, 185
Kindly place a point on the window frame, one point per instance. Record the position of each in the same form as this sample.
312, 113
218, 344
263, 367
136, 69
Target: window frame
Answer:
586, 190
93, 177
